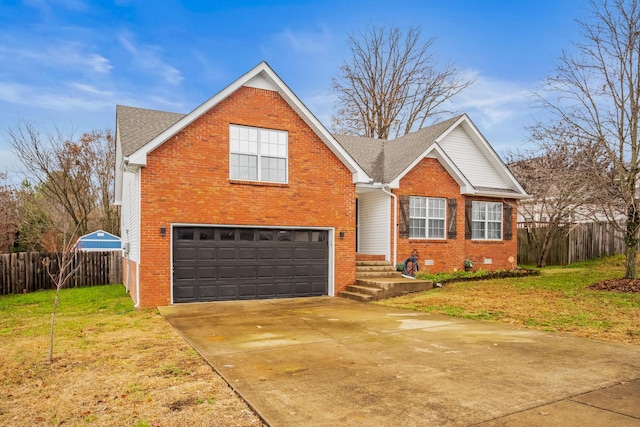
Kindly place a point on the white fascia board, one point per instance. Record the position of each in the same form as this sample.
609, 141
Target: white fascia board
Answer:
500, 195
119, 165
495, 160
436, 152
359, 175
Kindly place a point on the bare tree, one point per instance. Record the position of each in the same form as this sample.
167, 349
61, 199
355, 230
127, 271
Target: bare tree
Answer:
75, 175
391, 84
555, 176
8, 214
64, 270
595, 93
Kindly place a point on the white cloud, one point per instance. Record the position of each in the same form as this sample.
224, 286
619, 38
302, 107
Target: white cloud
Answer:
494, 102
70, 56
57, 98
311, 43
148, 58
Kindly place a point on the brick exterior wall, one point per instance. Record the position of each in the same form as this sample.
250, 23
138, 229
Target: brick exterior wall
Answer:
429, 179
186, 180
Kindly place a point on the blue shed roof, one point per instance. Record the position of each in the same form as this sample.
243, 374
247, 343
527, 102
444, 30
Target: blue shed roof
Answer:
99, 240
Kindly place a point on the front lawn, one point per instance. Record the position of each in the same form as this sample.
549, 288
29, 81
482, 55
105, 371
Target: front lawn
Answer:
558, 300
113, 366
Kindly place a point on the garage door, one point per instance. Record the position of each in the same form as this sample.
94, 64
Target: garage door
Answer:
214, 264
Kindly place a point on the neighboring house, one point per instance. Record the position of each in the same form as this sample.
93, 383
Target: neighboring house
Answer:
99, 241
249, 196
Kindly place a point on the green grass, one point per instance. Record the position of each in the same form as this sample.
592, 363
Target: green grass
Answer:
17, 312
557, 300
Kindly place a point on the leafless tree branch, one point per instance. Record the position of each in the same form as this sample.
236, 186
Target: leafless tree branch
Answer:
391, 84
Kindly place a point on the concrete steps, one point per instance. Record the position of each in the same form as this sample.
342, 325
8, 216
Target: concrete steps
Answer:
377, 280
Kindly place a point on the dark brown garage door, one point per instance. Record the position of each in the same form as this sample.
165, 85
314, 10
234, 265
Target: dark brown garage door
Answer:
214, 264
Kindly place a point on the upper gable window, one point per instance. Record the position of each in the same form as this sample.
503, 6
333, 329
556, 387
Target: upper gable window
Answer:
258, 154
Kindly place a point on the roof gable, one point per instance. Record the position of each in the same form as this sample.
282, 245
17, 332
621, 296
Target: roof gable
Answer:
99, 235
262, 77
456, 143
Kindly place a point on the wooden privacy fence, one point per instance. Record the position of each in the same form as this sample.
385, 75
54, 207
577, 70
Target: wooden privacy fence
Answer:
26, 272
582, 242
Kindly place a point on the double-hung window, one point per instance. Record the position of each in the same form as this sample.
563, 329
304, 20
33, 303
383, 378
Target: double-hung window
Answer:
258, 154
486, 221
427, 218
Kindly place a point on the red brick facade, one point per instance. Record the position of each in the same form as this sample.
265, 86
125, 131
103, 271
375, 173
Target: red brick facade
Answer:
430, 179
186, 180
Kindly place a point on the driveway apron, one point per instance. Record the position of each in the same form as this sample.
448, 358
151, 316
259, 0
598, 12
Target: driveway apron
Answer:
334, 362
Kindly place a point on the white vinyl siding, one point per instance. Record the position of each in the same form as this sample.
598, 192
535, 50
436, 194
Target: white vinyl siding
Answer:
130, 213
257, 154
486, 221
374, 210
427, 217
471, 161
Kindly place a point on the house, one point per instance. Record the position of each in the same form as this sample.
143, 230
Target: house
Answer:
99, 241
250, 196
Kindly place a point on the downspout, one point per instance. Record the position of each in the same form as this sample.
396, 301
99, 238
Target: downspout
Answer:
395, 222
126, 255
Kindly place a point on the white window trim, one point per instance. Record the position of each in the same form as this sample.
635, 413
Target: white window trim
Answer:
427, 218
487, 221
260, 156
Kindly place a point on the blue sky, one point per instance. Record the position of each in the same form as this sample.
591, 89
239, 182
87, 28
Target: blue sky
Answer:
67, 63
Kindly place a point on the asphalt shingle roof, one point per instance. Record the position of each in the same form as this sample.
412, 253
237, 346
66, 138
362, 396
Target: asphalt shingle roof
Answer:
139, 125
382, 159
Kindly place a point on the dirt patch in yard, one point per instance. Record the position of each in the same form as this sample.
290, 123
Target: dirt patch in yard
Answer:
618, 285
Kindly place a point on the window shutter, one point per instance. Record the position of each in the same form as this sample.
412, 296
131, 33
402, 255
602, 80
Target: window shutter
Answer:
452, 208
404, 217
468, 207
507, 223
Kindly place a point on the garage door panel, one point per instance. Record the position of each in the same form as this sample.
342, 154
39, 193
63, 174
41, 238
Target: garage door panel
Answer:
284, 288
266, 290
266, 272
207, 292
185, 292
185, 273
207, 272
302, 288
220, 263
247, 290
284, 254
182, 253
227, 253
227, 272
207, 254
265, 253
300, 254
247, 253
284, 271
246, 272
227, 291
302, 274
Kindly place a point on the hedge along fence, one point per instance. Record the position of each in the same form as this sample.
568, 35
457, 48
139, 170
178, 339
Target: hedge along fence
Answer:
25, 272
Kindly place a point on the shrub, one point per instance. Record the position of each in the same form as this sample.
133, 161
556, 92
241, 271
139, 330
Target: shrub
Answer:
465, 276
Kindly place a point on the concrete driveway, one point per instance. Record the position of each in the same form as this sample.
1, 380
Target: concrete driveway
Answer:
335, 362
